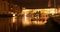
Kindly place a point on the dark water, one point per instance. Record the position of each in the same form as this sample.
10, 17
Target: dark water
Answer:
14, 24
9, 24
4, 24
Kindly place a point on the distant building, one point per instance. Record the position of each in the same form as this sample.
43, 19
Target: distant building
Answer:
6, 7
15, 8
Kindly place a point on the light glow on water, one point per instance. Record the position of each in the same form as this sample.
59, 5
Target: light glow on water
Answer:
25, 17
14, 19
26, 20
39, 22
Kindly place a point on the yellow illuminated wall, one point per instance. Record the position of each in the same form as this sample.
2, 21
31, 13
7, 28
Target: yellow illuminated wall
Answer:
27, 21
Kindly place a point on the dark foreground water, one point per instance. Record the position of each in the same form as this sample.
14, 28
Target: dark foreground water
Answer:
14, 24
9, 24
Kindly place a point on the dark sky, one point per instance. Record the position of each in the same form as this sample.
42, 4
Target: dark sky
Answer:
35, 3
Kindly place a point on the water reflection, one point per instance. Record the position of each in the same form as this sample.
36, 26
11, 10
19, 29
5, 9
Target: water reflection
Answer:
14, 19
8, 24
14, 23
5, 24
26, 20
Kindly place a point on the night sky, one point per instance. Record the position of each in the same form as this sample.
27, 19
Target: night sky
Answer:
35, 3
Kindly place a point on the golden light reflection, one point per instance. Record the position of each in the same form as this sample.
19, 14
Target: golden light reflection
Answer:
39, 22
14, 20
26, 20
25, 16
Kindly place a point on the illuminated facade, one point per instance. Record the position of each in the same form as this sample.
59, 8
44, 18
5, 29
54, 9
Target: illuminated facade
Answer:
6, 7
36, 19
